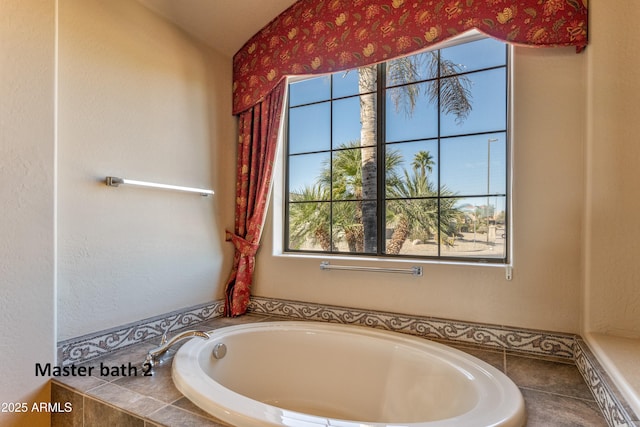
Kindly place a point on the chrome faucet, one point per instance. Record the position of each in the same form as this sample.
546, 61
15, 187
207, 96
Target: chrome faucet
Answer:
154, 355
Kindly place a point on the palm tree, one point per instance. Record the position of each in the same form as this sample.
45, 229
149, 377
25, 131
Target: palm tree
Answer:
423, 161
309, 217
451, 92
416, 210
367, 85
312, 218
345, 176
353, 175
344, 173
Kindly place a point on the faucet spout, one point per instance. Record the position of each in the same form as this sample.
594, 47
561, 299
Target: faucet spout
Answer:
154, 355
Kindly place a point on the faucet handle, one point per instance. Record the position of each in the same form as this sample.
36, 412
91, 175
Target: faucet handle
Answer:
164, 338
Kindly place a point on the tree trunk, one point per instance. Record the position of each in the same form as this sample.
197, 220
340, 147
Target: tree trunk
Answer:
399, 236
353, 236
368, 140
322, 236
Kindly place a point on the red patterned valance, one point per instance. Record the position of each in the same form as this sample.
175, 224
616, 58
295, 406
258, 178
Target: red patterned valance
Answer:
323, 36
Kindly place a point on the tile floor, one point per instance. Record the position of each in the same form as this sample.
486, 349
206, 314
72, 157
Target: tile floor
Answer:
555, 393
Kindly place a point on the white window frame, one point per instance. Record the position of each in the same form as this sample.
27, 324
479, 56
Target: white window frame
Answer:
278, 201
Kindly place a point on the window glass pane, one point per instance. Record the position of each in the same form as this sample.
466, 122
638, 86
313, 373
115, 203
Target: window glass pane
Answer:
348, 174
497, 161
412, 169
348, 83
309, 90
305, 172
407, 122
368, 118
394, 167
309, 227
487, 96
310, 128
347, 124
411, 227
473, 56
347, 226
479, 228
445, 167
464, 170
414, 68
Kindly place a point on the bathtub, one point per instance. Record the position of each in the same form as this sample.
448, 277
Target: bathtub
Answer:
309, 374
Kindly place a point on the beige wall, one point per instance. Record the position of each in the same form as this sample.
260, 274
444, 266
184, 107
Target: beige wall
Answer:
127, 94
612, 270
138, 99
27, 230
548, 197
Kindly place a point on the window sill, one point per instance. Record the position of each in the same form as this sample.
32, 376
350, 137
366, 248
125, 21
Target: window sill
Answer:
391, 260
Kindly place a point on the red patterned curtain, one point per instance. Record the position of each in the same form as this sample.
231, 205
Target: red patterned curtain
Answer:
324, 36
257, 143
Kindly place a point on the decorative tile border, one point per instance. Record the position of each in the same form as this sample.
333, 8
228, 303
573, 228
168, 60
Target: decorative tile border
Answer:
504, 338
87, 347
612, 408
533, 342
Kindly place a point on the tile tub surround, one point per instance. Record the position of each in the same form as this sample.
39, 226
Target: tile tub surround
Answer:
494, 344
139, 401
555, 393
614, 407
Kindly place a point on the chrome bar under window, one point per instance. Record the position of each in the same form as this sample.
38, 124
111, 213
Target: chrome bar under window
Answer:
416, 271
113, 181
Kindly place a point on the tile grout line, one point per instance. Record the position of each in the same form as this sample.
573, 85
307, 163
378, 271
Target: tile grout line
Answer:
537, 390
504, 339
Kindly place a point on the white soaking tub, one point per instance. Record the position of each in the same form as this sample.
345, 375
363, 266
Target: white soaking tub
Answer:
305, 374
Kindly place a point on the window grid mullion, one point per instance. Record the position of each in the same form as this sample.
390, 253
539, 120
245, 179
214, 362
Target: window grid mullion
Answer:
439, 186
331, 201
381, 173
381, 158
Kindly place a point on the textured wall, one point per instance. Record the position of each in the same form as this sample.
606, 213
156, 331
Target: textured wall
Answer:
548, 198
613, 186
27, 264
138, 99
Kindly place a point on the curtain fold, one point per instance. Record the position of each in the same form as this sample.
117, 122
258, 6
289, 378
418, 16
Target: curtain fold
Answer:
257, 145
326, 36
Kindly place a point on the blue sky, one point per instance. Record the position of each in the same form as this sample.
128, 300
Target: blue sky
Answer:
462, 164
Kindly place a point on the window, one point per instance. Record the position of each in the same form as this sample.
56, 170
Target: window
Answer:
403, 159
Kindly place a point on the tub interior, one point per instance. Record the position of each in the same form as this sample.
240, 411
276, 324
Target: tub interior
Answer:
340, 376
